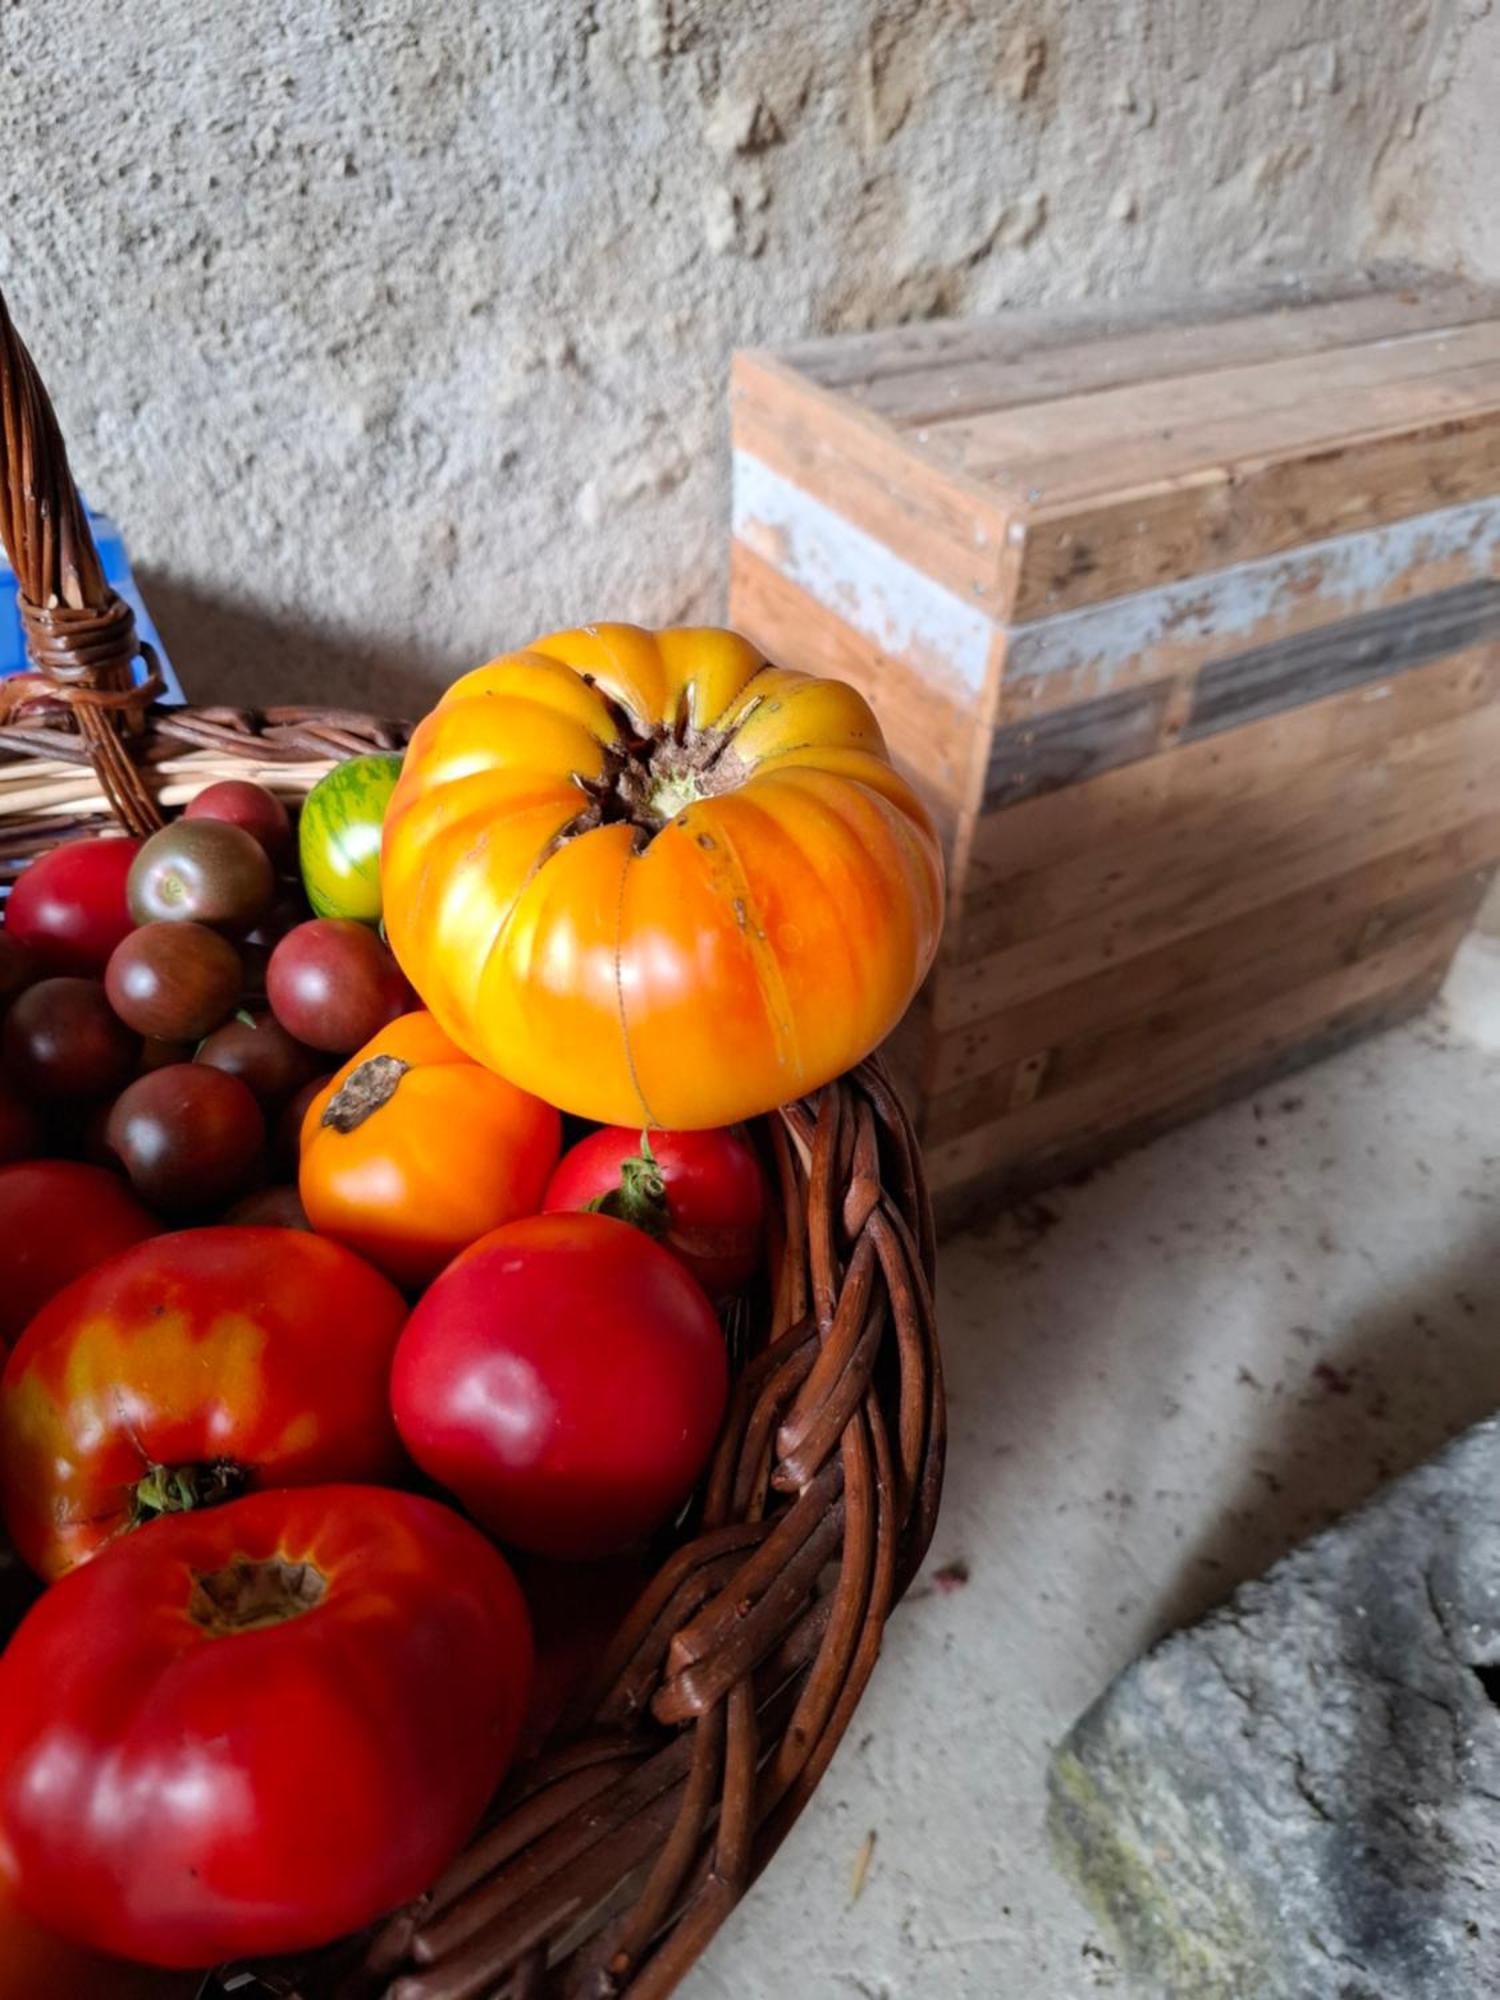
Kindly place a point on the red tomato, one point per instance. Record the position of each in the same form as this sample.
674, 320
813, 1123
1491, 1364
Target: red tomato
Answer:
20, 1132
69, 904
255, 1729
59, 1219
37, 1964
186, 1370
565, 1377
702, 1194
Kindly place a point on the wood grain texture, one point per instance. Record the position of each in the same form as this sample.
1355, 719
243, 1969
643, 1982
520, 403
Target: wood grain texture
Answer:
1004, 1182
1124, 805
1190, 1062
1028, 354
1105, 907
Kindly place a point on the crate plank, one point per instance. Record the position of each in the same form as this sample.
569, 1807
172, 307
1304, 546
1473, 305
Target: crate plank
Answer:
1348, 902
1122, 806
1195, 1059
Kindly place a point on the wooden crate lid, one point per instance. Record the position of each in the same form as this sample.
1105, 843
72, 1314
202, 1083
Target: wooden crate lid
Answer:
1042, 461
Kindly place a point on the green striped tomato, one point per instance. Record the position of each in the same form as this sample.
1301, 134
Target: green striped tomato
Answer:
338, 837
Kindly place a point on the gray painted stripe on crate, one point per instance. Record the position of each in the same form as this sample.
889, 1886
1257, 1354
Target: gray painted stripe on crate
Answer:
1064, 748
877, 593
1311, 666
1350, 573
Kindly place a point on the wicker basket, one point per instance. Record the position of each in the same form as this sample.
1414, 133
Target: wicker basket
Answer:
614, 1854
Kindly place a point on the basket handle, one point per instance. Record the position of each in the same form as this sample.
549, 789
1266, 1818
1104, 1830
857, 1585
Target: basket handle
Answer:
80, 634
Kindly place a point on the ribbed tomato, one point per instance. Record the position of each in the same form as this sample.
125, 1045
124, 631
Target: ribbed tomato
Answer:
253, 1730
185, 1371
412, 1152
37, 1964
656, 880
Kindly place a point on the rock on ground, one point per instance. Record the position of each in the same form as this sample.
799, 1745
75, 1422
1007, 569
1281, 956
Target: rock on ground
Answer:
1299, 1798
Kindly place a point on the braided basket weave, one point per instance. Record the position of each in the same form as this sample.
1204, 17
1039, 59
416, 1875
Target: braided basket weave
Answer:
616, 1851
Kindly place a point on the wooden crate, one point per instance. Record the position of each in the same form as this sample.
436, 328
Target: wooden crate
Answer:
1188, 625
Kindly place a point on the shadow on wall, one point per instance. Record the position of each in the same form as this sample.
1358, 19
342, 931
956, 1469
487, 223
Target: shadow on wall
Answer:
235, 652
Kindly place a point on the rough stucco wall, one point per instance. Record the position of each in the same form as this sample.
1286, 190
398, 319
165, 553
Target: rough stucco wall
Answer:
1436, 193
395, 334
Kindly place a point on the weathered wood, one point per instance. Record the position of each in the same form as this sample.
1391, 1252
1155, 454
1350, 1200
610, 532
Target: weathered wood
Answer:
1189, 627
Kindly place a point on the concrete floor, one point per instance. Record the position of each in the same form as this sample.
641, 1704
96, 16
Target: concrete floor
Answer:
1160, 1381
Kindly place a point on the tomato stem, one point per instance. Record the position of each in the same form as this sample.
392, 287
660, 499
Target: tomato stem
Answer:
367, 1088
247, 1596
183, 1489
640, 1197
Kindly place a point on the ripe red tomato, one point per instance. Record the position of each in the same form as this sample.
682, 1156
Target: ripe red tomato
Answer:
702, 1194
186, 1370
37, 1964
21, 1135
256, 1729
565, 1377
59, 1219
69, 904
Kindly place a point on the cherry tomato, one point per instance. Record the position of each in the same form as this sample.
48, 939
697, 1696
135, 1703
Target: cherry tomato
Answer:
173, 982
271, 1207
202, 871
338, 836
566, 1378
243, 803
189, 1137
20, 966
254, 1730
186, 1370
69, 904
63, 1040
21, 1136
702, 1194
37, 1964
58, 1219
334, 985
260, 1052
413, 1152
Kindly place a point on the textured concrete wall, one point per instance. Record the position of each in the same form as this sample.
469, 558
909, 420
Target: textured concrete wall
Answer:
1438, 191
395, 333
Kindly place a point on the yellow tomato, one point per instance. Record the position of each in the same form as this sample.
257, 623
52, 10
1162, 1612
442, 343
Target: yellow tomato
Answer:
656, 880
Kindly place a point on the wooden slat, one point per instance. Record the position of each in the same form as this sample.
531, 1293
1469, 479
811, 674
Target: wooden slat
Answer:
1066, 746
956, 1203
1079, 552
1344, 904
951, 528
1194, 1060
935, 740
1103, 908
1300, 940
1015, 365
1125, 805
1080, 447
1053, 663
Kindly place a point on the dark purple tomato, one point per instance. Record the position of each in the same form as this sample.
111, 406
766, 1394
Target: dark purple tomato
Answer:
20, 967
69, 904
333, 984
175, 982
189, 1137
202, 871
260, 1052
62, 1039
241, 802
269, 1208
21, 1136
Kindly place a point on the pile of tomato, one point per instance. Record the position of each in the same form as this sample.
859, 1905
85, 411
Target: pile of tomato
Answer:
288, 1282
356, 1354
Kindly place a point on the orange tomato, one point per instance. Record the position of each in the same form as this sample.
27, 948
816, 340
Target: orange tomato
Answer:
36, 1964
657, 880
412, 1152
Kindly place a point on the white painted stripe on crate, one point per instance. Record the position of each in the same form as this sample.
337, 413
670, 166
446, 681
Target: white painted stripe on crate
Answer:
1348, 572
874, 590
